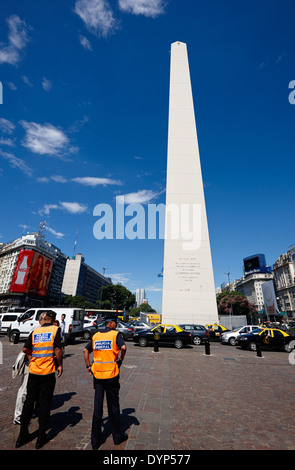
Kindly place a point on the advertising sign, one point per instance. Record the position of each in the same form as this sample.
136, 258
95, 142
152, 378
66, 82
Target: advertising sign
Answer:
269, 296
21, 271
39, 276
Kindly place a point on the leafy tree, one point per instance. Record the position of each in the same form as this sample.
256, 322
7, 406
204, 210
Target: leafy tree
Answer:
226, 293
240, 305
135, 312
118, 297
78, 301
104, 305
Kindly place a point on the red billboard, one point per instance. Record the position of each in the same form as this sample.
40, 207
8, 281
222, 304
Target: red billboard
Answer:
21, 272
39, 276
32, 273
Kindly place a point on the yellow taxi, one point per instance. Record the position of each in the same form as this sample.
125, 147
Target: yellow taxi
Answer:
164, 334
215, 331
268, 338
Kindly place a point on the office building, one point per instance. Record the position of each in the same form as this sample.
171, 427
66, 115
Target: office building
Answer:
26, 271
284, 277
251, 287
81, 279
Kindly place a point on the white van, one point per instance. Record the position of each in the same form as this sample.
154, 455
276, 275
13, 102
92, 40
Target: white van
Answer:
6, 319
29, 320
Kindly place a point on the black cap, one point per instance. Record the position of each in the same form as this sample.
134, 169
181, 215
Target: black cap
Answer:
50, 314
111, 317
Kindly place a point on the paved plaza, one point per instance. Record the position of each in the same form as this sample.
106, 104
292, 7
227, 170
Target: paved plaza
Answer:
173, 400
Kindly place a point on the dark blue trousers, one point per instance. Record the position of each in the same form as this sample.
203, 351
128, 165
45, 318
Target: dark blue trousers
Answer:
111, 387
40, 389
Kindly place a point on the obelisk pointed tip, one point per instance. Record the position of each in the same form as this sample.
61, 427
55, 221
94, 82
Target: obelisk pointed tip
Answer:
178, 43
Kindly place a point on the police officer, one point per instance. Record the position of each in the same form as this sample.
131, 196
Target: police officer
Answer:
44, 350
106, 346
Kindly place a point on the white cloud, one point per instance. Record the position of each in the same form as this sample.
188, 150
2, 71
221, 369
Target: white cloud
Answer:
74, 207
121, 278
150, 8
84, 180
42, 179
93, 181
154, 288
8, 142
45, 139
85, 43
6, 126
26, 80
71, 207
54, 232
97, 16
47, 208
46, 84
17, 40
59, 179
16, 162
143, 196
12, 86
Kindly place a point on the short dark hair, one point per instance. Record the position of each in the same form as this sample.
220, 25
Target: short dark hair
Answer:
50, 314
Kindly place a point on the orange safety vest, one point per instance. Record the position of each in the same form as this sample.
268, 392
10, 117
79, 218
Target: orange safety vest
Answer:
42, 362
105, 354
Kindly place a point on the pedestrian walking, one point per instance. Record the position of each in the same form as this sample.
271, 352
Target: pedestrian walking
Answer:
42, 347
62, 330
106, 346
20, 368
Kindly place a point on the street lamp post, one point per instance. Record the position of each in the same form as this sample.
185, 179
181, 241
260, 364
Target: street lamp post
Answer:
231, 302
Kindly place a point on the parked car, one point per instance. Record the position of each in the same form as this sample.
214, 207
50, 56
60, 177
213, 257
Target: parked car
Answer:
198, 332
268, 338
6, 319
139, 325
126, 330
215, 331
229, 337
89, 328
168, 334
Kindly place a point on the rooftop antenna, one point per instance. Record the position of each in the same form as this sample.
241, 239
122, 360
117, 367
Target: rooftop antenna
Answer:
24, 227
76, 239
104, 270
42, 228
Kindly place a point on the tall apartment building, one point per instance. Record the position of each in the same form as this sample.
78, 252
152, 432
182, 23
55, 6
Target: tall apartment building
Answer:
28, 273
81, 279
284, 276
140, 296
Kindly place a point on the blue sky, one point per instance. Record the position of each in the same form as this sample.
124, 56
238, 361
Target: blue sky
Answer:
85, 118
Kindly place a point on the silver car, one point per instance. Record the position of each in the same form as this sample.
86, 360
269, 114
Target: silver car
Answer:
229, 337
139, 325
126, 330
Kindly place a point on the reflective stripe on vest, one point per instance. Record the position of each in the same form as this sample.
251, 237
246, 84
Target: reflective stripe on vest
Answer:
42, 362
105, 352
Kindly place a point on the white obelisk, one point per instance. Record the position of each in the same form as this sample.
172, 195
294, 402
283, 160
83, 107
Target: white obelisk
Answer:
188, 283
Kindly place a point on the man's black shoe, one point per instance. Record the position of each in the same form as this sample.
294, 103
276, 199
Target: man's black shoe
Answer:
95, 446
41, 441
22, 439
123, 438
